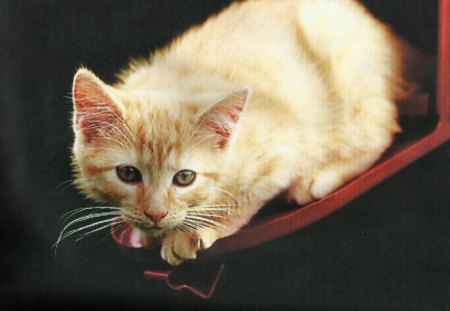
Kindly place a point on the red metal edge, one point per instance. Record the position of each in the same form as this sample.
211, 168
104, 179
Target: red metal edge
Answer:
444, 63
286, 223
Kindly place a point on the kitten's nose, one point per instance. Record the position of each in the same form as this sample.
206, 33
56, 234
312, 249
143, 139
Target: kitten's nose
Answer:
155, 217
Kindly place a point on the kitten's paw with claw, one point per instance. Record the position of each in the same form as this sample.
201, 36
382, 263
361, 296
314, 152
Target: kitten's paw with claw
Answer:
179, 247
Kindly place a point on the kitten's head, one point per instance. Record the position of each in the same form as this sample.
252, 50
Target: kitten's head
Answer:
156, 156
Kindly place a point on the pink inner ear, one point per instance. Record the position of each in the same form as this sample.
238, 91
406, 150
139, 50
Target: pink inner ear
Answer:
95, 111
223, 117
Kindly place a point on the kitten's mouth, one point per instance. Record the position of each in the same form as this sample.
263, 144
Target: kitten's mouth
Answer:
154, 230
131, 236
151, 230
157, 228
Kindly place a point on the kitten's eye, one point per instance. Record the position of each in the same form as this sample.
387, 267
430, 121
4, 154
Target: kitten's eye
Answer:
184, 178
128, 174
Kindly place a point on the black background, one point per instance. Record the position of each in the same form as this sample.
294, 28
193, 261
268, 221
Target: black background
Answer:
388, 250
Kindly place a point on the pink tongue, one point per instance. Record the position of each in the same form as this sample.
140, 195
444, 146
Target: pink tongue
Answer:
126, 235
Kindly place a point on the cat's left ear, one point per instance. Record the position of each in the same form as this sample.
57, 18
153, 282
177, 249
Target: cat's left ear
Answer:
96, 111
221, 119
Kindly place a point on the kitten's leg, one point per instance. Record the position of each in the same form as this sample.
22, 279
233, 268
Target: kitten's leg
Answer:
328, 179
338, 173
299, 191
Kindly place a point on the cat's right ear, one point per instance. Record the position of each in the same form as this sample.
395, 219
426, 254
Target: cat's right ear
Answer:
95, 109
221, 119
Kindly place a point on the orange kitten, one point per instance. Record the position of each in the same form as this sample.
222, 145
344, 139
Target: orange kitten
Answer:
267, 96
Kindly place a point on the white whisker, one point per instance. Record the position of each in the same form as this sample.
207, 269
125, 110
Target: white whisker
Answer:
62, 186
64, 234
85, 234
229, 194
67, 234
120, 226
102, 110
122, 122
82, 209
116, 141
131, 218
206, 220
202, 140
186, 230
194, 225
209, 215
88, 217
118, 131
207, 208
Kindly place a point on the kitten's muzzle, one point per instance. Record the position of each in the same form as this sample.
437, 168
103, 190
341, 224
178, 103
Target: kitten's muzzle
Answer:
155, 217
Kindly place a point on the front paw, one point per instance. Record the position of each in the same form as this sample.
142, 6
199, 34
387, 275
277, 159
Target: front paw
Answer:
325, 183
299, 191
179, 247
